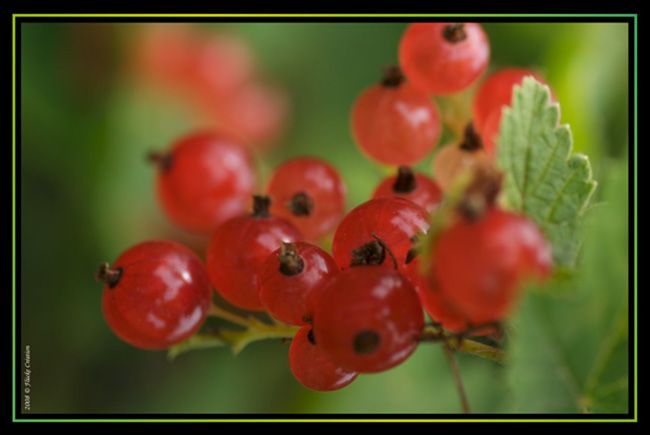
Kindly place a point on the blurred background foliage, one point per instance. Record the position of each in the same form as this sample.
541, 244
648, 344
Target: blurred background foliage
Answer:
87, 193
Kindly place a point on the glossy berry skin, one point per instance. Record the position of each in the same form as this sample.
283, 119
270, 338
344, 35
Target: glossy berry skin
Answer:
452, 161
289, 276
219, 64
161, 295
394, 220
490, 134
395, 125
368, 319
312, 367
480, 264
204, 180
438, 306
496, 92
200, 66
441, 59
256, 113
417, 188
319, 185
237, 250
433, 300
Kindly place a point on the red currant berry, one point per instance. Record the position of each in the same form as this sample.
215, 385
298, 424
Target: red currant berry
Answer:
417, 188
479, 264
444, 58
394, 123
377, 229
312, 367
368, 319
490, 133
204, 180
219, 64
239, 247
288, 277
256, 113
156, 294
496, 92
433, 300
310, 194
454, 160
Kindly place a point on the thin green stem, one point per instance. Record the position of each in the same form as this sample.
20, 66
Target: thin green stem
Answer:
221, 313
237, 340
434, 333
455, 371
476, 348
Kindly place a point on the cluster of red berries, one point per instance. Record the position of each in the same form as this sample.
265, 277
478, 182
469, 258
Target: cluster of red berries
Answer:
215, 76
360, 308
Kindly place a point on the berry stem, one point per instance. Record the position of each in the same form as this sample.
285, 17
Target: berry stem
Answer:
220, 313
458, 380
254, 330
435, 334
456, 112
258, 331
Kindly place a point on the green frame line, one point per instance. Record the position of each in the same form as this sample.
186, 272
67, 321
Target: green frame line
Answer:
636, 309
323, 420
244, 15
314, 420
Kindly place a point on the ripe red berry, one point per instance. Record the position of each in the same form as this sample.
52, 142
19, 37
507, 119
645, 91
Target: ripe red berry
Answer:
490, 133
444, 58
204, 180
395, 123
239, 247
494, 95
433, 300
156, 294
289, 276
377, 231
417, 188
196, 65
312, 367
309, 193
219, 64
496, 92
162, 56
368, 319
454, 160
480, 264
256, 113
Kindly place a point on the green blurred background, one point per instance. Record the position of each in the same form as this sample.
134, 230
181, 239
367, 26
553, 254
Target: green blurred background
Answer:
87, 194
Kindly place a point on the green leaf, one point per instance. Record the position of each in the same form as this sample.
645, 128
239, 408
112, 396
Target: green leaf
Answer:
543, 179
569, 350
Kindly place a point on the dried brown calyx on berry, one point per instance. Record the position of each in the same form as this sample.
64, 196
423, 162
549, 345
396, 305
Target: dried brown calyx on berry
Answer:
471, 140
393, 77
261, 206
482, 191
